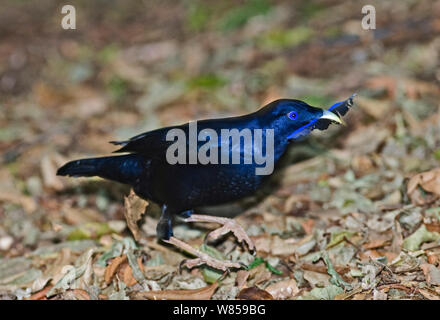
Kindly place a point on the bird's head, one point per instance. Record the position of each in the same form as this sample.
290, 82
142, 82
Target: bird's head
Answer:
295, 118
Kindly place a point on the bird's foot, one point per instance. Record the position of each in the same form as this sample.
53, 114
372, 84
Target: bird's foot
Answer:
202, 258
228, 225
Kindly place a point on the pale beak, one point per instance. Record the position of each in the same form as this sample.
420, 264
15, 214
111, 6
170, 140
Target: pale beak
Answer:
331, 116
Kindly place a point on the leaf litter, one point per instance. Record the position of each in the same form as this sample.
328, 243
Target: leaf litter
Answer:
354, 213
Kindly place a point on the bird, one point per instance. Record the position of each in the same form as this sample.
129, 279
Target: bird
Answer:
180, 187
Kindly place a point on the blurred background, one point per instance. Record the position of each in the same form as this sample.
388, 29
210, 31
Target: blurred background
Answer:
133, 66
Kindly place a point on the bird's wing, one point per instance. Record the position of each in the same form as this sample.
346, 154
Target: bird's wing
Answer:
151, 143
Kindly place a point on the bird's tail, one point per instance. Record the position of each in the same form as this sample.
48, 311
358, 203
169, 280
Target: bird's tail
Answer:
124, 169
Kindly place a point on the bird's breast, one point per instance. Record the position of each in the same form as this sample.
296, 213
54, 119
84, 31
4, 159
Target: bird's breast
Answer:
190, 186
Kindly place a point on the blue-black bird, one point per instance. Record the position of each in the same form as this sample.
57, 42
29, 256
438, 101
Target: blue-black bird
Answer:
149, 165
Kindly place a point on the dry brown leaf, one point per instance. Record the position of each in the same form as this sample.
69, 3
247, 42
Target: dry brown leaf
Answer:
275, 245
433, 258
41, 295
323, 269
317, 279
428, 181
75, 294
433, 227
296, 204
48, 96
362, 164
134, 209
308, 226
65, 257
413, 88
366, 140
283, 289
397, 240
111, 269
81, 294
359, 296
259, 274
416, 88
157, 272
262, 243
126, 273
194, 294
383, 82
121, 266
29, 205
77, 216
375, 108
375, 244
48, 171
432, 274
386, 287
389, 255
242, 276
369, 254
428, 294
379, 295
254, 293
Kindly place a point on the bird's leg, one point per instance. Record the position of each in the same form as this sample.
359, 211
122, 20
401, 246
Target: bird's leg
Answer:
165, 233
202, 258
164, 228
228, 225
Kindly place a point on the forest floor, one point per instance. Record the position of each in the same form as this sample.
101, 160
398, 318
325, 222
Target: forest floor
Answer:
357, 218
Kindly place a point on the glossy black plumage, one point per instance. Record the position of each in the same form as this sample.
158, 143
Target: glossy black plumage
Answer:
180, 188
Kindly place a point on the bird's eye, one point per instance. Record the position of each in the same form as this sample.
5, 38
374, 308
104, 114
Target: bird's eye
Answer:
292, 115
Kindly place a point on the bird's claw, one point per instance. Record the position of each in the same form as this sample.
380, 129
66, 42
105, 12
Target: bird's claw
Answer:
202, 257
230, 225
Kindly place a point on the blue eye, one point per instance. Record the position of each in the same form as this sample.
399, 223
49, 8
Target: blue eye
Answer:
292, 115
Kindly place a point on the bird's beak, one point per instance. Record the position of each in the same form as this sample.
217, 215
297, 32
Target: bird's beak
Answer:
331, 116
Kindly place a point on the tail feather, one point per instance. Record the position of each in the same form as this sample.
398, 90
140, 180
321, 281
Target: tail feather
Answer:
124, 169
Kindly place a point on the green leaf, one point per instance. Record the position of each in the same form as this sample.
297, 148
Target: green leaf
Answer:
257, 261
339, 236
238, 16
90, 230
211, 275
114, 251
327, 293
335, 277
206, 81
356, 273
414, 241
280, 39
117, 87
272, 269
437, 154
198, 16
